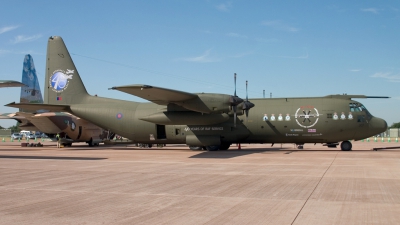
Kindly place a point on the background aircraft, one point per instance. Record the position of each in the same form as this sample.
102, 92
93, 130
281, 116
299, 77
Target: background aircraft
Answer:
214, 121
71, 128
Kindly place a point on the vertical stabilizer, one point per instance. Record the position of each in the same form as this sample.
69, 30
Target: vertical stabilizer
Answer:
31, 92
63, 85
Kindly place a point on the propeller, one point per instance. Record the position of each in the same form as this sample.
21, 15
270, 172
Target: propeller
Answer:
235, 100
247, 105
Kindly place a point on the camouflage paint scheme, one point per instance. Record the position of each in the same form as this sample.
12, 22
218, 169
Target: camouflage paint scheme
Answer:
206, 119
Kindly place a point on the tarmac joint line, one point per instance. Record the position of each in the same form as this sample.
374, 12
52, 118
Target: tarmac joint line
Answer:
323, 175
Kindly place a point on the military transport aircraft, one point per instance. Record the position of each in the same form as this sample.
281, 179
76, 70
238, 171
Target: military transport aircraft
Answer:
51, 123
214, 121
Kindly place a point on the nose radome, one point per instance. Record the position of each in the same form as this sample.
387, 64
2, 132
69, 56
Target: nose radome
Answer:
378, 125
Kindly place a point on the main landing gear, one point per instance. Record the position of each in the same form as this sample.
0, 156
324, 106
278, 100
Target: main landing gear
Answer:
344, 146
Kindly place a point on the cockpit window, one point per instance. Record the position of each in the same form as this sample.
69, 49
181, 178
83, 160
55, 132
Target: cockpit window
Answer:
358, 107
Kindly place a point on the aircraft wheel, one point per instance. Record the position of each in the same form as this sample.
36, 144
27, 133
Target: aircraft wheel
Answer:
224, 146
191, 147
212, 147
346, 146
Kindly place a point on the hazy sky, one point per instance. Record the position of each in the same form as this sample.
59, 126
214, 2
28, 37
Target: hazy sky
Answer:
287, 48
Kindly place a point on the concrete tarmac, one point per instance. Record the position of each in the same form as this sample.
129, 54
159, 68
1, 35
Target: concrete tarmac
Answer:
259, 184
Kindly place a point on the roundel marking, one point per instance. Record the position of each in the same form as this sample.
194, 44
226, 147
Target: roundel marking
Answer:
307, 117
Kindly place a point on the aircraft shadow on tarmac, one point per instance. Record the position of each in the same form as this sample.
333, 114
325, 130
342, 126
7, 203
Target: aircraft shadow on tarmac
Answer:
236, 153
48, 157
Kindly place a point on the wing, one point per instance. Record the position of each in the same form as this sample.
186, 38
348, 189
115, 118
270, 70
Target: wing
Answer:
158, 95
11, 83
11, 116
203, 102
43, 121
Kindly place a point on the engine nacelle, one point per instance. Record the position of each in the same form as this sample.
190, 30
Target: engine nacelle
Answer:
208, 103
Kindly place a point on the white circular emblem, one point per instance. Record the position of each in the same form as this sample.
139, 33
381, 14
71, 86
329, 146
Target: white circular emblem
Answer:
342, 117
307, 117
335, 116
60, 79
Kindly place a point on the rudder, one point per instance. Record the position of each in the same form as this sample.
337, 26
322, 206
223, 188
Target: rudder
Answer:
31, 92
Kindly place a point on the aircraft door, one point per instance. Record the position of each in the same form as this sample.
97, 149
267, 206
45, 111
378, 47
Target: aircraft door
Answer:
161, 134
175, 132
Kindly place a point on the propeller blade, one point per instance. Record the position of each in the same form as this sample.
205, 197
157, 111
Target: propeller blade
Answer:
247, 97
234, 115
235, 85
235, 100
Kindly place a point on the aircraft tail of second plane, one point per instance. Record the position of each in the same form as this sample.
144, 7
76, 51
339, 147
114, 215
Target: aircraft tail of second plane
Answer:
31, 92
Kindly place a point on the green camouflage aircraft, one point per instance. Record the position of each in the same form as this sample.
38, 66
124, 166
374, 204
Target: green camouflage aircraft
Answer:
205, 120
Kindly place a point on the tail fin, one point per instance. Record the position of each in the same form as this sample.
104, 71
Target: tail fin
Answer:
63, 85
31, 92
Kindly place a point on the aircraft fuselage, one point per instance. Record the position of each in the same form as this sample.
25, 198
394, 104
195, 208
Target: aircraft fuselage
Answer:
281, 120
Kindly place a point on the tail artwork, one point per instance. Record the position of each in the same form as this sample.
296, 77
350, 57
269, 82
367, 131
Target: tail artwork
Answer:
31, 92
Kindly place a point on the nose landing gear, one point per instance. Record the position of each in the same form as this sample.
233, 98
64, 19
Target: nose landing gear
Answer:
346, 146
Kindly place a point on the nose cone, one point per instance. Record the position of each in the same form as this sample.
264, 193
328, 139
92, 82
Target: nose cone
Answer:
377, 125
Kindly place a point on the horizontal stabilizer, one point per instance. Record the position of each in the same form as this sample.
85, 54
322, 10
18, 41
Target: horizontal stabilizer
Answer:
158, 95
27, 106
